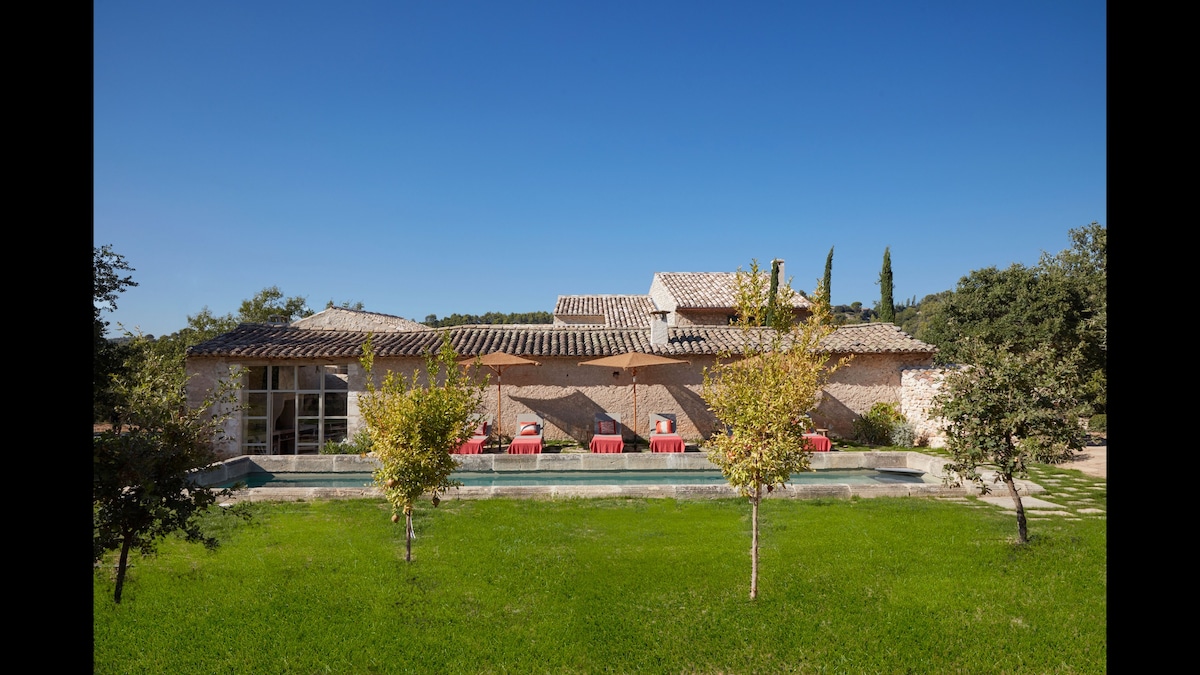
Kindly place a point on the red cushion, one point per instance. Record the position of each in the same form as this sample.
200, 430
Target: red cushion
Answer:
664, 427
529, 429
482, 429
607, 427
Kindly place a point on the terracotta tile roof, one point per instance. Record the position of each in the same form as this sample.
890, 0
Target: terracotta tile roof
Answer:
707, 290
619, 311
260, 341
870, 338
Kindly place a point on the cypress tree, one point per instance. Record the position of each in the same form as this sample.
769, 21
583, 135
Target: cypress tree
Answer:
887, 307
774, 290
828, 276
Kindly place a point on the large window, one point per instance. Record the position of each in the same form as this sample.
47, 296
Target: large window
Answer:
294, 410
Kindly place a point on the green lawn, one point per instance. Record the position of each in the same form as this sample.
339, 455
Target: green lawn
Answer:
633, 585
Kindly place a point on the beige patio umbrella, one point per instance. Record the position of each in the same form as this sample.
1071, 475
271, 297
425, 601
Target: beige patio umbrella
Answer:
498, 361
631, 361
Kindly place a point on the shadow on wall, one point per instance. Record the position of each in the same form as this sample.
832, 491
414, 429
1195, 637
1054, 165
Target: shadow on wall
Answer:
696, 410
573, 414
834, 415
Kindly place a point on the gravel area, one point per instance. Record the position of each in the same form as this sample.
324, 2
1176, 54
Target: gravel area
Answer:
1093, 461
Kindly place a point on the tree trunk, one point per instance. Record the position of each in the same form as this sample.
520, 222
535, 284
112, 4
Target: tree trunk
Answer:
121, 563
408, 536
754, 541
1022, 528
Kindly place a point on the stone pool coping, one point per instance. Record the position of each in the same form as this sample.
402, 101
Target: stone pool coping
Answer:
235, 468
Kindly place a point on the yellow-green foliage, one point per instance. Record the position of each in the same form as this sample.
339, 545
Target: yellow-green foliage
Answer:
766, 396
415, 425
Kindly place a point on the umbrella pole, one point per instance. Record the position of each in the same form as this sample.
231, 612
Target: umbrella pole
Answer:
499, 417
635, 423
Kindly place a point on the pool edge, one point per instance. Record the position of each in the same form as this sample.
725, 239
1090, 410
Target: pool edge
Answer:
239, 466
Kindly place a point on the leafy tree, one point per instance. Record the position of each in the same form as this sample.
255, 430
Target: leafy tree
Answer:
415, 427
346, 304
143, 485
270, 302
1015, 305
765, 398
107, 355
1085, 265
1061, 302
1024, 307
887, 307
913, 318
204, 325
1009, 408
433, 321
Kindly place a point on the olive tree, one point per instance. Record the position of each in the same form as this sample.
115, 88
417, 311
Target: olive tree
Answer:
1008, 408
765, 395
144, 483
415, 424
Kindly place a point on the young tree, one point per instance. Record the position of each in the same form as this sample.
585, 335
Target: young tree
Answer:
415, 427
1008, 408
143, 485
765, 398
887, 306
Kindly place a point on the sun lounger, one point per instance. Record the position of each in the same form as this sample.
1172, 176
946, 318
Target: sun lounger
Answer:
664, 435
475, 444
606, 433
528, 437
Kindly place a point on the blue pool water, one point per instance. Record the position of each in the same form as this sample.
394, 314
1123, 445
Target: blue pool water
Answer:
609, 477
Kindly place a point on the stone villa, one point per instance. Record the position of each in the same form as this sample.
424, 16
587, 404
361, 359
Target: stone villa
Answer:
301, 381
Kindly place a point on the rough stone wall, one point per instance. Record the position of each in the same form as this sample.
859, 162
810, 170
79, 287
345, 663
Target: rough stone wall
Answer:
866, 380
918, 388
567, 395
695, 317
205, 375
356, 382
663, 299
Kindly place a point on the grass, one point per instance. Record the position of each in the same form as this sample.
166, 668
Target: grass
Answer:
616, 585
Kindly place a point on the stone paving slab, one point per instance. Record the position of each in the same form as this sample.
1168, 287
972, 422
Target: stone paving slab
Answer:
1026, 501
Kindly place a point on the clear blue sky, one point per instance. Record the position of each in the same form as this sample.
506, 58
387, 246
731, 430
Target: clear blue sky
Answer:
441, 157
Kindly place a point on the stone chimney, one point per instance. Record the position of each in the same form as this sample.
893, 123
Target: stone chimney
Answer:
658, 327
782, 276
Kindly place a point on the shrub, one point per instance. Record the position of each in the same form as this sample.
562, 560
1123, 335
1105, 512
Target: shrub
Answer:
360, 444
1098, 423
903, 435
875, 427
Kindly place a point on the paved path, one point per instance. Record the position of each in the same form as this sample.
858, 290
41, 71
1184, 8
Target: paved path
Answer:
1065, 496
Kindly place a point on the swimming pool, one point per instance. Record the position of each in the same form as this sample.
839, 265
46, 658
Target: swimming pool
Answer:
293, 479
673, 475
